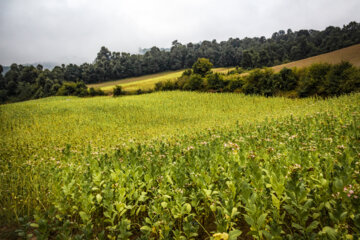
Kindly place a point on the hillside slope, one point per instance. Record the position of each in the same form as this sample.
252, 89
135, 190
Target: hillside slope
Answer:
145, 82
350, 54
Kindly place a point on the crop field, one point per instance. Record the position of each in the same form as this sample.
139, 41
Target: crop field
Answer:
181, 165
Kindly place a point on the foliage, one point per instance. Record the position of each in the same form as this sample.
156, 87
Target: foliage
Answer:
321, 79
75, 170
73, 89
194, 82
202, 66
247, 53
96, 92
118, 91
287, 81
215, 81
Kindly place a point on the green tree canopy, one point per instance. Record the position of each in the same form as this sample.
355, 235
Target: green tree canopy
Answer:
202, 66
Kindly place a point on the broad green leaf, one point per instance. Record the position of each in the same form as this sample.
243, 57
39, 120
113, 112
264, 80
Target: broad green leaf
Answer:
84, 216
234, 212
275, 201
187, 208
261, 219
297, 226
221, 236
312, 226
330, 232
98, 198
233, 235
146, 229
34, 225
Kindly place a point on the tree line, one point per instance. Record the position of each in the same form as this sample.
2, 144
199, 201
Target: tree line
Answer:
29, 82
247, 53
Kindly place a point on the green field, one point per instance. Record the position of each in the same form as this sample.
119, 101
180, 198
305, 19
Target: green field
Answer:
181, 165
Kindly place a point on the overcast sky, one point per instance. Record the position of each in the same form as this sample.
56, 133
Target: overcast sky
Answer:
64, 31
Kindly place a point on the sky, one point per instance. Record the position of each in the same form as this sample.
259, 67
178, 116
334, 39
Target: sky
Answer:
73, 31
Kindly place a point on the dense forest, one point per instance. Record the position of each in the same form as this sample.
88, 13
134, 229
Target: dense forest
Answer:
29, 82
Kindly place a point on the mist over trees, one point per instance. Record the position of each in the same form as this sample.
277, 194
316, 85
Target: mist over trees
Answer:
29, 82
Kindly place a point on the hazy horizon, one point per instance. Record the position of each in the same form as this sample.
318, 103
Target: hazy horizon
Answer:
73, 31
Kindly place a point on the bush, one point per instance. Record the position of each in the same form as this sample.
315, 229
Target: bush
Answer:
72, 88
117, 91
166, 86
202, 66
187, 72
287, 80
259, 82
195, 82
215, 82
235, 85
159, 86
313, 81
353, 80
337, 79
96, 92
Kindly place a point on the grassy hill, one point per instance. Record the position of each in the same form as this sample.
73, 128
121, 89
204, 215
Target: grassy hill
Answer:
351, 54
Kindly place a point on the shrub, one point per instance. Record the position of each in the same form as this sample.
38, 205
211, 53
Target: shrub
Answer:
352, 83
337, 79
195, 82
117, 91
72, 88
235, 85
287, 80
313, 81
187, 72
202, 66
159, 86
259, 82
96, 92
215, 82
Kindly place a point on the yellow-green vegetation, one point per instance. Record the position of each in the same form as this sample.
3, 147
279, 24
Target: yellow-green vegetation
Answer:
146, 82
181, 165
349, 54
